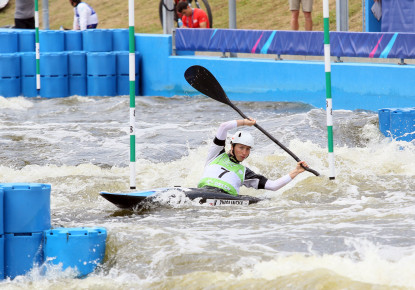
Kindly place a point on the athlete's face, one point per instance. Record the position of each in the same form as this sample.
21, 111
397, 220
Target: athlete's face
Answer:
241, 152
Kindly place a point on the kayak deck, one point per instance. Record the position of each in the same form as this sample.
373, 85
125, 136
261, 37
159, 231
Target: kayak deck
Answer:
203, 195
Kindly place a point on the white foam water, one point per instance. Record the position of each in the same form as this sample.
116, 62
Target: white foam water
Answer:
354, 232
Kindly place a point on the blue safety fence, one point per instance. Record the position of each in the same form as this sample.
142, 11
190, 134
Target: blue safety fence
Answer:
343, 44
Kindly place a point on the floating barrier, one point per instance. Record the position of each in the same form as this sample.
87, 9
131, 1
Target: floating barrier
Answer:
54, 86
123, 74
77, 73
1, 257
22, 251
97, 40
9, 42
26, 207
10, 75
120, 40
71, 63
54, 75
28, 74
73, 40
398, 124
51, 41
81, 248
1, 213
54, 64
1, 237
102, 85
26, 237
26, 40
101, 71
101, 63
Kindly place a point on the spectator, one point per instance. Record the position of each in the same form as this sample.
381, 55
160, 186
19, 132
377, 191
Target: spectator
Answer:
307, 6
24, 15
193, 17
84, 16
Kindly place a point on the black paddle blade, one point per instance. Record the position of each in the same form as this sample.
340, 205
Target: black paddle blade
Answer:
202, 80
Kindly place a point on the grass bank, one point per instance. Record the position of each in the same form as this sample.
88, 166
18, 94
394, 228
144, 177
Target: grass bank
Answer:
251, 14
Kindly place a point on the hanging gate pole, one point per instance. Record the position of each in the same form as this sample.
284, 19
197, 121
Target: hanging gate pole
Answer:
131, 59
329, 102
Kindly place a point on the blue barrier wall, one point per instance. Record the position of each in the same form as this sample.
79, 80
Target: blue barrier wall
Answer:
26, 239
83, 63
398, 124
354, 85
370, 86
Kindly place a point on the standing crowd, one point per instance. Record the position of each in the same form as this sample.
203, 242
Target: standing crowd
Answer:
85, 16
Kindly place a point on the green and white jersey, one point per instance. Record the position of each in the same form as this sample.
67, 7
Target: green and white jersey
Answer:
224, 174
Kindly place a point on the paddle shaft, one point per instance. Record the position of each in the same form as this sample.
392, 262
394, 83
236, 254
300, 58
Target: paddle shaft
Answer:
273, 139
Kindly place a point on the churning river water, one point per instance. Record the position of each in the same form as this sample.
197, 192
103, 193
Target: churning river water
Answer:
354, 232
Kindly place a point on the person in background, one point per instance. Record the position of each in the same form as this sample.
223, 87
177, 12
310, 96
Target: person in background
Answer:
224, 171
24, 15
192, 17
307, 6
84, 16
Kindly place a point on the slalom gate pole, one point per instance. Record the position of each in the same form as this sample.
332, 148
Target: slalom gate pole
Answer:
132, 91
329, 102
37, 45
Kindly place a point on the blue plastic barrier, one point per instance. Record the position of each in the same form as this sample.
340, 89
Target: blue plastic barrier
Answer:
10, 65
101, 64
101, 71
77, 63
77, 73
1, 256
123, 74
402, 124
1, 213
28, 64
97, 40
26, 207
8, 42
120, 40
21, 252
54, 75
54, 64
10, 75
73, 40
77, 85
54, 86
398, 124
102, 85
26, 40
51, 41
28, 86
385, 121
81, 248
28, 74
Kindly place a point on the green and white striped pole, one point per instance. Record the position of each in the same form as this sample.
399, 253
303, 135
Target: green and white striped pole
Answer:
37, 45
132, 91
329, 102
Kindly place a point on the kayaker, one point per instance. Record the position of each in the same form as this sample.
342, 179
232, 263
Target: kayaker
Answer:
224, 171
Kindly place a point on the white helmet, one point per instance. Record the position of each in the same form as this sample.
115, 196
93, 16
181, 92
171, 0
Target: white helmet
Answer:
243, 138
